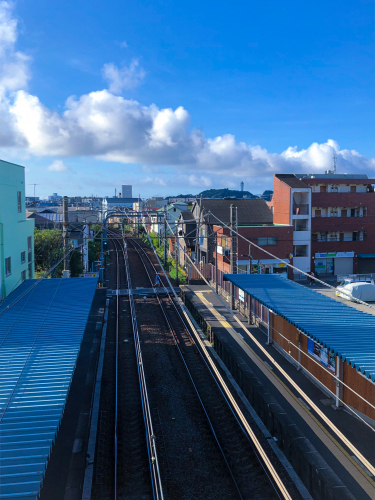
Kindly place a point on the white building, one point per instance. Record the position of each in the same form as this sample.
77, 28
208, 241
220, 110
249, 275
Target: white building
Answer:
173, 212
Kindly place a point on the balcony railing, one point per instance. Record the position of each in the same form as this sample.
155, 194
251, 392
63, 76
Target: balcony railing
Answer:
336, 238
302, 209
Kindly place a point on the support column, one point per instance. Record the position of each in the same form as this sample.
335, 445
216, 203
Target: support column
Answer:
66, 272
339, 377
165, 237
233, 251
269, 328
299, 339
216, 267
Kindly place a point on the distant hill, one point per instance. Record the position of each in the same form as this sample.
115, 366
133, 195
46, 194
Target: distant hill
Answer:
225, 193
217, 193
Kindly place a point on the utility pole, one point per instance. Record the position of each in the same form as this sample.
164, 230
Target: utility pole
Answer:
233, 250
197, 249
165, 236
66, 272
34, 192
176, 256
216, 266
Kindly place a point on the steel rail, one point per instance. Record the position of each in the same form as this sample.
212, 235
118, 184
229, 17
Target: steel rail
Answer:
176, 341
264, 461
156, 483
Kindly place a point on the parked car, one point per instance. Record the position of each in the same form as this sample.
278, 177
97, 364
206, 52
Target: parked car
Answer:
364, 291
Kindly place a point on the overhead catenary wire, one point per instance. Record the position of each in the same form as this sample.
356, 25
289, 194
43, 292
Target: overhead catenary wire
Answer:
329, 423
290, 265
265, 462
352, 390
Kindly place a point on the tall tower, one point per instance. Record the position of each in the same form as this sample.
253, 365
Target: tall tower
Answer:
334, 163
242, 185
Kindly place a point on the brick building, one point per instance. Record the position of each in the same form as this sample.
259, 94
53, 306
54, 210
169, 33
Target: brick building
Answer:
333, 216
254, 221
276, 239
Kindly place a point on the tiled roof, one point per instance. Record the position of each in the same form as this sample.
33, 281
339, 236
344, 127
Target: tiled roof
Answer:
291, 180
249, 211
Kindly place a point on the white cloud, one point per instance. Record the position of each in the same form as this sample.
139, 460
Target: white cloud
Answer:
201, 181
104, 125
14, 65
124, 45
127, 77
57, 166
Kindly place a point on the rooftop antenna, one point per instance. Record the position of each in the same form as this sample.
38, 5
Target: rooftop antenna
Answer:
334, 163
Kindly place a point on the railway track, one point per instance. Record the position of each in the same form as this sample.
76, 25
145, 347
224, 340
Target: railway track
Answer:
166, 428
245, 475
126, 460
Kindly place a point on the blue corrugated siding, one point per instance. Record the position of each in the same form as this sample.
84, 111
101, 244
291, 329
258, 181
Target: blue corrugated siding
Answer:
346, 331
40, 338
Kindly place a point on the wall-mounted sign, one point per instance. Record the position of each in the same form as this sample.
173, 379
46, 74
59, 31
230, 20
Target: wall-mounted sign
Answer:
334, 254
241, 295
322, 354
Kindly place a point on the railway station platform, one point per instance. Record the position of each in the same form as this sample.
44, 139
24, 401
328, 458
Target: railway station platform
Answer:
319, 457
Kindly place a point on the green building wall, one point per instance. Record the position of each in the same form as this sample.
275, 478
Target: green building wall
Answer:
14, 229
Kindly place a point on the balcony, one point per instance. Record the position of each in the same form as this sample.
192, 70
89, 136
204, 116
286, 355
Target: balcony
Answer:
325, 200
300, 235
336, 238
301, 209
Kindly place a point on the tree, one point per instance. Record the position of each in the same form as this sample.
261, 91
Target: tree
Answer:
76, 265
48, 248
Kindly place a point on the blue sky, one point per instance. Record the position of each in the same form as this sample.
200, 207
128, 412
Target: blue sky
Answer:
181, 96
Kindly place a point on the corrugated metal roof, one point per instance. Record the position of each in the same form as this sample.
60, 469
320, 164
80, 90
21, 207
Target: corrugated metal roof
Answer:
346, 331
40, 338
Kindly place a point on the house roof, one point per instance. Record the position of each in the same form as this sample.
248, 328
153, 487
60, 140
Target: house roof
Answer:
187, 215
325, 320
249, 211
39, 219
291, 180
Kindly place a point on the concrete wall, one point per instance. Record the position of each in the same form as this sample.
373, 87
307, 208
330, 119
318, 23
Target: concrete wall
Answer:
14, 228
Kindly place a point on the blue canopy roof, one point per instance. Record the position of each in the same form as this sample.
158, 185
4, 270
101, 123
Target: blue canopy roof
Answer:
40, 339
346, 331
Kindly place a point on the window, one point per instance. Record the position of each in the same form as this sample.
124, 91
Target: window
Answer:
364, 235
8, 266
364, 211
29, 252
323, 189
23, 257
353, 189
30, 269
352, 212
344, 213
267, 241
355, 236
23, 276
314, 237
318, 213
19, 205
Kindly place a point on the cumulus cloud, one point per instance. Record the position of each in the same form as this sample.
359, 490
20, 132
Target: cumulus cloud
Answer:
14, 65
105, 125
57, 166
127, 77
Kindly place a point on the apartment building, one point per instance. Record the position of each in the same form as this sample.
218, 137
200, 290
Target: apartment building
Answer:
16, 232
333, 216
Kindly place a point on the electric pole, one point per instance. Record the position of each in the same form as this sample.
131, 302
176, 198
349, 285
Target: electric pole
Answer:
34, 192
233, 250
66, 272
165, 236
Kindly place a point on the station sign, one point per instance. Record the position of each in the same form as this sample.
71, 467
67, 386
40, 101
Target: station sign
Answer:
333, 254
90, 275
